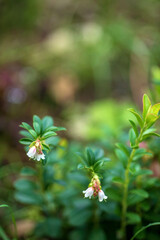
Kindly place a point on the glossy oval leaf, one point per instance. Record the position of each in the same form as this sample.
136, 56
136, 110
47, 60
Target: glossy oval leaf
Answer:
47, 121
25, 141
37, 127
146, 105
48, 134
138, 117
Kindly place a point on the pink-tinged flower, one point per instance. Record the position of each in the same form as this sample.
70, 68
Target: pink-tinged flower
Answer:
32, 152
88, 192
101, 196
35, 154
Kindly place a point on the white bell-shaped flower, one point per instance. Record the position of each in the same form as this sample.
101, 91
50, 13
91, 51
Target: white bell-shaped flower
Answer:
88, 192
32, 152
101, 196
38, 157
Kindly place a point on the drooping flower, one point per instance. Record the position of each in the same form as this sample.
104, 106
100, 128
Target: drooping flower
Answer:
101, 196
94, 189
38, 157
88, 192
32, 152
35, 152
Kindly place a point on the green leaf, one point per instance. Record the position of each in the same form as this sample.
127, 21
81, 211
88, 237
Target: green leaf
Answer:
140, 153
54, 141
151, 130
133, 218
98, 165
52, 128
132, 138
26, 141
44, 229
61, 129
83, 158
37, 127
25, 184
149, 133
44, 161
55, 129
77, 234
99, 153
80, 166
118, 180
138, 117
151, 119
26, 134
33, 133
26, 126
77, 217
146, 105
121, 156
155, 109
137, 195
134, 168
97, 233
4, 205
81, 155
133, 199
134, 127
123, 148
48, 134
45, 147
28, 197
145, 172
105, 159
47, 121
90, 156
3, 234
13, 221
150, 182
140, 192
37, 119
143, 228
28, 171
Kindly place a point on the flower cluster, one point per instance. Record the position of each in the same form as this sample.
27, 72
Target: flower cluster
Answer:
36, 152
94, 189
39, 137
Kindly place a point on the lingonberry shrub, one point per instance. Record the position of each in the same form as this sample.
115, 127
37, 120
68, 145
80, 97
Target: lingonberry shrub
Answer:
38, 139
127, 197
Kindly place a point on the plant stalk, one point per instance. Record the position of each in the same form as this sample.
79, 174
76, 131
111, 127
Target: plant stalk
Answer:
125, 190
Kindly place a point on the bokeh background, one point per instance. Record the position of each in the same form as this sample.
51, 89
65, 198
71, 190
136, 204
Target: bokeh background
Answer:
83, 63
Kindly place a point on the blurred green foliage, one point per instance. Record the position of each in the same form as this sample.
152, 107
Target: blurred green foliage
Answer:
56, 57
